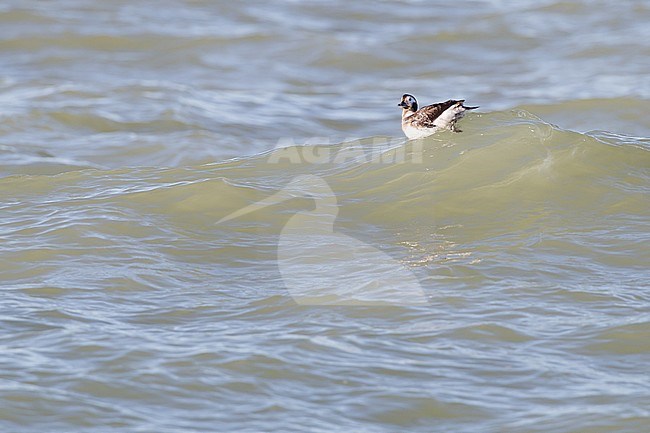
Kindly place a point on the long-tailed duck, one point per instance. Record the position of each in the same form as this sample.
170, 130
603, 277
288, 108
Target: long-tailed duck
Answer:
431, 118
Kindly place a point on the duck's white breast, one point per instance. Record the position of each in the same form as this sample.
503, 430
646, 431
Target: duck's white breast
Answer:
412, 132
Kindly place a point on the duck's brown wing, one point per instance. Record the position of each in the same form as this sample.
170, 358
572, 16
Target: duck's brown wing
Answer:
426, 116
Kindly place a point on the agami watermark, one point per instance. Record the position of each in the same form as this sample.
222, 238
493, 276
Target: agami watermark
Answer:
318, 265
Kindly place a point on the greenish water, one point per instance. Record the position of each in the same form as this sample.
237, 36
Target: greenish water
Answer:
212, 222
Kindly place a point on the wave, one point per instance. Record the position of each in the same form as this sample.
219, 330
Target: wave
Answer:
508, 173
508, 158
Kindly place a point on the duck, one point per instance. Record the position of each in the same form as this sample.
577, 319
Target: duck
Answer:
431, 118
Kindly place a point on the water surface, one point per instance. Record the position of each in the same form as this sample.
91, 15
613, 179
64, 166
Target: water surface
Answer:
129, 130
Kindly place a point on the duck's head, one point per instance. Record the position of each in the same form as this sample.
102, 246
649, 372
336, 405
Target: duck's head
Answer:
408, 102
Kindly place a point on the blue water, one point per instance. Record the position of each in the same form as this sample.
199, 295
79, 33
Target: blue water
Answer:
211, 220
